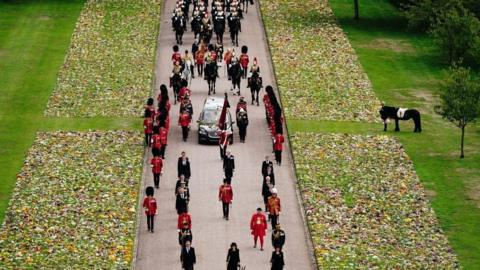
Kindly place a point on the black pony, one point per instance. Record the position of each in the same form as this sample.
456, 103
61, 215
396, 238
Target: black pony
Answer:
211, 73
255, 84
235, 26
179, 28
387, 112
236, 73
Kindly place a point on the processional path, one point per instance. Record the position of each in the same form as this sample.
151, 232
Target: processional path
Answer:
212, 234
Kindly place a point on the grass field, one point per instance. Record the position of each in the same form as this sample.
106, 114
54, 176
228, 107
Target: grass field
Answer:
34, 38
405, 70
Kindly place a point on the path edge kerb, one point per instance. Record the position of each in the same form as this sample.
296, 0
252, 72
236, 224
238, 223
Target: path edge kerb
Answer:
145, 152
299, 196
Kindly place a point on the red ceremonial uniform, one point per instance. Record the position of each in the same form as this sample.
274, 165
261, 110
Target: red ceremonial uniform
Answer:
157, 164
148, 125
213, 55
163, 135
199, 57
241, 105
258, 224
278, 142
156, 142
167, 123
176, 56
184, 120
274, 206
183, 92
225, 193
184, 218
150, 205
244, 60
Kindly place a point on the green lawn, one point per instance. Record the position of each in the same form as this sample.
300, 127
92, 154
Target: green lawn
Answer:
405, 70
34, 38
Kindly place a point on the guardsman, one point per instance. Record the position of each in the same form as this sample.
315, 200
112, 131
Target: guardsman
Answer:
156, 142
148, 128
184, 121
150, 206
278, 237
274, 207
244, 61
225, 195
184, 218
277, 147
176, 56
229, 165
258, 227
200, 59
163, 140
157, 165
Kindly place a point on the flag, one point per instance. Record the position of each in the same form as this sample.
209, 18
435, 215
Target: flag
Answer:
223, 114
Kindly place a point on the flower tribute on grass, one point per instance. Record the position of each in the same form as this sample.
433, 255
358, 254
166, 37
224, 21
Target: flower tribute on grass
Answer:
74, 204
108, 69
319, 75
365, 205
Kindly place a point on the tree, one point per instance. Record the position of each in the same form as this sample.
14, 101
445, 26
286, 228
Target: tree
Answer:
355, 4
456, 31
460, 99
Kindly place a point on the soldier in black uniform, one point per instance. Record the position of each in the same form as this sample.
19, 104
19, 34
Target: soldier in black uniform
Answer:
278, 237
228, 165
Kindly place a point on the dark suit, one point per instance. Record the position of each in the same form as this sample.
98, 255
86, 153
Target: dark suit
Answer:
265, 165
229, 166
183, 168
233, 259
277, 261
188, 258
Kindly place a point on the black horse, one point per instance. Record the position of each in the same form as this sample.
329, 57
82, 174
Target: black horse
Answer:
211, 73
219, 27
255, 84
387, 112
236, 73
179, 29
235, 27
196, 26
176, 84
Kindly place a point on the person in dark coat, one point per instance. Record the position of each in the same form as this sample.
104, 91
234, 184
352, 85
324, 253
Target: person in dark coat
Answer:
183, 166
233, 257
277, 259
266, 192
182, 200
270, 175
265, 164
278, 237
242, 123
229, 165
188, 257
179, 183
185, 235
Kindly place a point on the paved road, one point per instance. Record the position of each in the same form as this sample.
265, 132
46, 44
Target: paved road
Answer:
212, 235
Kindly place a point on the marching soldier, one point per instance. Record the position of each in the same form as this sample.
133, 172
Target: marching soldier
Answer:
277, 147
150, 206
258, 227
157, 164
176, 56
184, 218
148, 127
274, 207
242, 123
184, 121
278, 237
163, 132
183, 198
244, 60
156, 142
228, 165
225, 195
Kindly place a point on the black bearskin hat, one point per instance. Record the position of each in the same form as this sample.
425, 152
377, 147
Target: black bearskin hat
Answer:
150, 101
244, 49
149, 191
175, 48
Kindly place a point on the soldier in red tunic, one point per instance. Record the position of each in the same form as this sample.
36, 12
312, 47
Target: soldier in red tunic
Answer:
156, 142
184, 122
277, 147
244, 60
157, 164
182, 219
274, 208
150, 206
258, 226
163, 140
148, 128
176, 56
225, 195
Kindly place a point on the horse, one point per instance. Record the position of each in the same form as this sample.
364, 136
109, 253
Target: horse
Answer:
176, 84
255, 84
234, 25
179, 29
236, 73
387, 112
196, 24
211, 73
206, 33
219, 27
187, 71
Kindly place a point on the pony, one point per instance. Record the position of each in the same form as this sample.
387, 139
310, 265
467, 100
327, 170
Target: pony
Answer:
187, 72
236, 73
196, 24
211, 73
179, 29
235, 26
255, 84
176, 82
387, 112
219, 27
